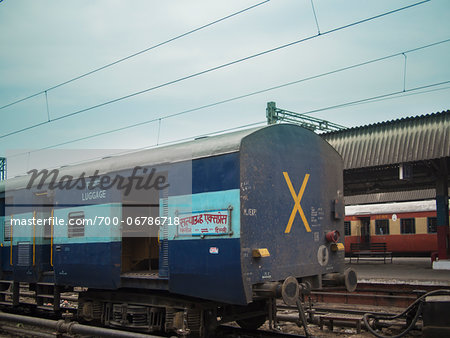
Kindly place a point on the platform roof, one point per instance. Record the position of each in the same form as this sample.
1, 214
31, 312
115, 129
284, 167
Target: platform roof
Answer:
373, 154
405, 140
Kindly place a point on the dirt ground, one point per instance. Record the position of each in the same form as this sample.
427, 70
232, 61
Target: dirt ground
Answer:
289, 327
337, 331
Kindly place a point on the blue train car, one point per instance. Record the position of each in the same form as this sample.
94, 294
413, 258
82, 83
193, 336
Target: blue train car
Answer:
213, 221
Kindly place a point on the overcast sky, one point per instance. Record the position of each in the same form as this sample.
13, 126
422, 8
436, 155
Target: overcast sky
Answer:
46, 42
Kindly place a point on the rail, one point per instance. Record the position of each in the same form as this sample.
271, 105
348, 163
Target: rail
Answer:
65, 326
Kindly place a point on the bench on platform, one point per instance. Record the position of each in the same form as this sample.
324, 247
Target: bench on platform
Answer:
363, 250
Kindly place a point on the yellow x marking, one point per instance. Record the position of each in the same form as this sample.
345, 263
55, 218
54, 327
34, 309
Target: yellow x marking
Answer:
297, 206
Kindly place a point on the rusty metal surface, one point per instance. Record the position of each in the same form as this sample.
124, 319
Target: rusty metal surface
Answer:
386, 295
411, 139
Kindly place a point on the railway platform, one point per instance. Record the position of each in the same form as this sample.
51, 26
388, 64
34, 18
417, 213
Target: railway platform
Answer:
403, 270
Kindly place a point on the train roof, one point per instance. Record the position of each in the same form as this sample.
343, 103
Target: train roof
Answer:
390, 208
191, 150
179, 152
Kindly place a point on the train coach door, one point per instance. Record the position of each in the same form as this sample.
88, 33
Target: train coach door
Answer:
365, 230
140, 249
43, 239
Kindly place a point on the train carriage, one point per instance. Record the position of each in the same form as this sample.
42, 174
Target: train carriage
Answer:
217, 222
407, 228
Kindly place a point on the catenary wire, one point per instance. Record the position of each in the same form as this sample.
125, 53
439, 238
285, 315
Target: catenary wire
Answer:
393, 95
275, 87
315, 17
213, 69
397, 94
376, 98
134, 54
402, 94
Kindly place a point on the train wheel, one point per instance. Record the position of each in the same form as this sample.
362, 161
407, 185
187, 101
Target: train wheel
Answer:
251, 323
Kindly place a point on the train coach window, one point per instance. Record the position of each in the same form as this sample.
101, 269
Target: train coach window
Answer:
7, 230
407, 226
347, 228
432, 225
382, 227
75, 227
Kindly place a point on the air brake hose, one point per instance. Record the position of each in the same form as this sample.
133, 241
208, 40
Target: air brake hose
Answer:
418, 301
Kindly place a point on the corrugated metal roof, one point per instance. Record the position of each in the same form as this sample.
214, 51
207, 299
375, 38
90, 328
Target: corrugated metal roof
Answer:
389, 208
410, 139
397, 196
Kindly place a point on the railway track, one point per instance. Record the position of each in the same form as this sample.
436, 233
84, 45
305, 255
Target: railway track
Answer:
387, 295
41, 327
343, 308
227, 331
38, 327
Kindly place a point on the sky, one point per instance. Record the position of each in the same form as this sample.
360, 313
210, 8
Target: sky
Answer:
45, 43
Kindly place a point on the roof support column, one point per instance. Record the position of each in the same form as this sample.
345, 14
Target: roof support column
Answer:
442, 209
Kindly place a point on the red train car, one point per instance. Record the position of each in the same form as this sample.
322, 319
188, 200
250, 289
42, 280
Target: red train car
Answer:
407, 228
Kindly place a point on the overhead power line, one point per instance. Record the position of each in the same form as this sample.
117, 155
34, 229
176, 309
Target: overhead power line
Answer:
361, 64
315, 17
379, 97
135, 54
395, 94
400, 94
375, 98
213, 69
